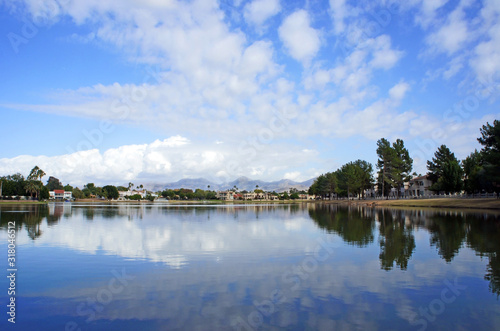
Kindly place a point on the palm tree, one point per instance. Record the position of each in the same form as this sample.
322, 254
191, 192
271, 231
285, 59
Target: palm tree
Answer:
33, 173
31, 187
34, 183
40, 173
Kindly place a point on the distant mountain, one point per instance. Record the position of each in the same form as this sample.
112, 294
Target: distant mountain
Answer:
242, 183
189, 183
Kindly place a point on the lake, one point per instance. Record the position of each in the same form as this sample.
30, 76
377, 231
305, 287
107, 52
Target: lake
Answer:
249, 267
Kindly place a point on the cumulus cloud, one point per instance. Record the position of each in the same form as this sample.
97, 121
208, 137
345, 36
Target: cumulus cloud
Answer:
164, 161
452, 36
398, 91
300, 39
259, 11
428, 11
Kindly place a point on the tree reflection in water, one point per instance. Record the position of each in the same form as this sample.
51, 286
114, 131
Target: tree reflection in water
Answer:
449, 232
397, 242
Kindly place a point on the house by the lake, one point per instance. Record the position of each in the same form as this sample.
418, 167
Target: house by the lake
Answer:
60, 195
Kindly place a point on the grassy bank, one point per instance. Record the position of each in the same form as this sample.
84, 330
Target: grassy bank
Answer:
476, 203
21, 202
479, 203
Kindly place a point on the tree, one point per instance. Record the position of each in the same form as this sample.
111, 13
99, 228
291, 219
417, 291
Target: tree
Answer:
68, 188
445, 171
77, 193
36, 174
34, 181
13, 185
350, 178
402, 165
86, 192
319, 187
111, 192
332, 184
54, 184
44, 193
490, 140
135, 197
200, 194
365, 173
31, 187
473, 172
386, 156
394, 164
90, 187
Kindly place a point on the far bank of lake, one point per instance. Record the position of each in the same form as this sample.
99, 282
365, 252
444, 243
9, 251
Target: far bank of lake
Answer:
466, 203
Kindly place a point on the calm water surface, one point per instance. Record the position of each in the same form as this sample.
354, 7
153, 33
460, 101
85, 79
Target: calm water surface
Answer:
309, 267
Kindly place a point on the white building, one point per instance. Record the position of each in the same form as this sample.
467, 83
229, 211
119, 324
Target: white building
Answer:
420, 186
225, 195
124, 194
60, 195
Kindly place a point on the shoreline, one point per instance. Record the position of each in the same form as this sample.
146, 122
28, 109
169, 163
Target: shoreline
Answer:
454, 203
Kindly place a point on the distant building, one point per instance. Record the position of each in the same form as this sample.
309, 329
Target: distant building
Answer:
225, 195
420, 186
60, 195
124, 194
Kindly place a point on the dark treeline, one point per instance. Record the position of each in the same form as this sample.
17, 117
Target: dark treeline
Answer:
479, 172
184, 194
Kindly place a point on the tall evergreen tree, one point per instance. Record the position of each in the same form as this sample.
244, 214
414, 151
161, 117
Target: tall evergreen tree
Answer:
366, 175
473, 172
386, 156
490, 139
394, 164
403, 164
445, 171
350, 178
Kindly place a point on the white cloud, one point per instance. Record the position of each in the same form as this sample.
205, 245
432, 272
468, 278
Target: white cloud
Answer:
300, 39
339, 11
486, 60
294, 175
164, 161
214, 81
383, 55
398, 91
428, 11
452, 36
258, 12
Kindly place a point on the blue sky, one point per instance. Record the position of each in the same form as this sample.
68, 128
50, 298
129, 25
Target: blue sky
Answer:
155, 91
